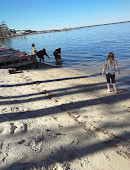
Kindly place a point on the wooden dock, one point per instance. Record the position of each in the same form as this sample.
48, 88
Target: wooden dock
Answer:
17, 61
11, 59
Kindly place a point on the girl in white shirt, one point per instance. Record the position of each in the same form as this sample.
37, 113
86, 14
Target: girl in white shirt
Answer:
110, 67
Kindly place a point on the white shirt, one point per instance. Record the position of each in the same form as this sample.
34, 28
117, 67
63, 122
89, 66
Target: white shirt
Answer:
111, 68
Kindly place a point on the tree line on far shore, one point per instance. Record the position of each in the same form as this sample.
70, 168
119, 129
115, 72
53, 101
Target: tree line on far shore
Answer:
5, 31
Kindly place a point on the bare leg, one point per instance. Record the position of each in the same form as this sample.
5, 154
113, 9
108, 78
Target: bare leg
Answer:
57, 61
114, 87
108, 87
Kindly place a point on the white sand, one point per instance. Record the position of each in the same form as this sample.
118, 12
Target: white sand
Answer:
54, 119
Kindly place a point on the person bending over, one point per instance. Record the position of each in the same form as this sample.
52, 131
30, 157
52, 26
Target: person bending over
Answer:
41, 54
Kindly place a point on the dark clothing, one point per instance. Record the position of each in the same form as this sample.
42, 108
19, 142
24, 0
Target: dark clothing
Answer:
57, 54
109, 76
41, 53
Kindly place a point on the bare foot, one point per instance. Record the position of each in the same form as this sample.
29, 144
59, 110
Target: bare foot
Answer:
108, 91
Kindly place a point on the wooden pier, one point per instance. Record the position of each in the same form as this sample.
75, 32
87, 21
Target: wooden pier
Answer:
11, 59
17, 61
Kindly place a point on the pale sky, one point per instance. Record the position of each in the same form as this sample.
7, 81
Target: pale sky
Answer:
49, 14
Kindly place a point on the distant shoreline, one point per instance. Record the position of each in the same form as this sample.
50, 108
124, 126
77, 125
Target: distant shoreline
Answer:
75, 28
12, 32
104, 24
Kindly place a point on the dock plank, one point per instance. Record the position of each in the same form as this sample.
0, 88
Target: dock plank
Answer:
16, 60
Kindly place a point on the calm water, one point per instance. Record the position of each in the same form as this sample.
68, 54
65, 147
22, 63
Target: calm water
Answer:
79, 47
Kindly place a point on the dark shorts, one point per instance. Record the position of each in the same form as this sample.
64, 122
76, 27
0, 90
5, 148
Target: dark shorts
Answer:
109, 76
40, 56
56, 55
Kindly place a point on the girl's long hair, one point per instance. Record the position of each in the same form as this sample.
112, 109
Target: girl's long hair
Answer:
110, 58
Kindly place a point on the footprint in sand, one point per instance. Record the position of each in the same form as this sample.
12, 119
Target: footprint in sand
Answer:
19, 128
14, 109
3, 151
5, 110
2, 157
35, 143
1, 130
27, 79
13, 128
1, 145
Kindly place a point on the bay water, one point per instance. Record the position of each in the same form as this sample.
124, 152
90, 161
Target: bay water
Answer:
82, 48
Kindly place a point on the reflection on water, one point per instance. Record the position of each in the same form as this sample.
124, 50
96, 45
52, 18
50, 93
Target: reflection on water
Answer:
5, 41
79, 47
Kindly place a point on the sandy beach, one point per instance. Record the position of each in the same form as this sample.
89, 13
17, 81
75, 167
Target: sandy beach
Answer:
55, 119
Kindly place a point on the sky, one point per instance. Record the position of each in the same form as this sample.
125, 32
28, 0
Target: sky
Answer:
56, 14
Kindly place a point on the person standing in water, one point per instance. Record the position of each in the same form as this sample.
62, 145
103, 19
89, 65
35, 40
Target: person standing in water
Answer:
34, 51
110, 68
57, 55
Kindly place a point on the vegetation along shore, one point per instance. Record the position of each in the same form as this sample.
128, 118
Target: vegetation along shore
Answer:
7, 32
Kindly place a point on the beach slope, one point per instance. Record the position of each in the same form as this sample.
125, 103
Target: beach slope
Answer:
54, 119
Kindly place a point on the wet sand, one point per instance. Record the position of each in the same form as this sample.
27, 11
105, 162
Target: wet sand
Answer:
52, 118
